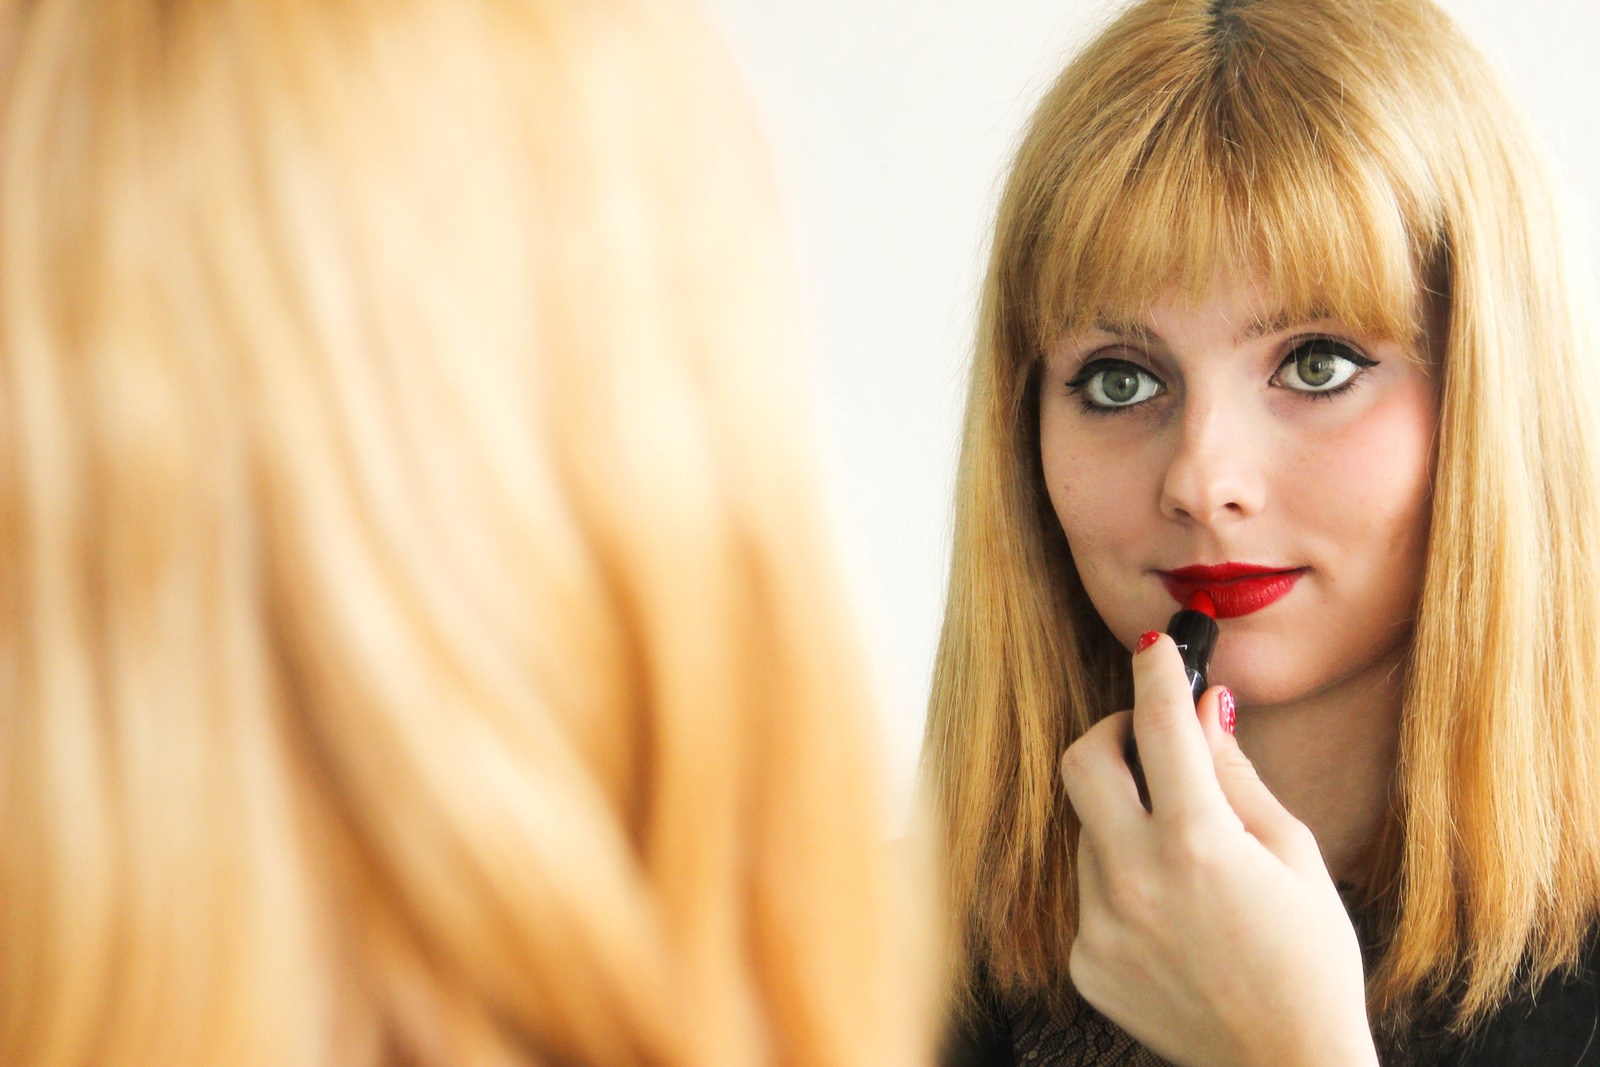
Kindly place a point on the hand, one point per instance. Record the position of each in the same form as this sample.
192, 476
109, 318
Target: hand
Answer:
1208, 926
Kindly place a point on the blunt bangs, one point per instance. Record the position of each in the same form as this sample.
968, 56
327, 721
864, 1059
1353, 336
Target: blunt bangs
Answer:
1248, 162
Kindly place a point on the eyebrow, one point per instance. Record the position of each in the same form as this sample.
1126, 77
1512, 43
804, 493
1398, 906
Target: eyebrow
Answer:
1128, 328
1261, 327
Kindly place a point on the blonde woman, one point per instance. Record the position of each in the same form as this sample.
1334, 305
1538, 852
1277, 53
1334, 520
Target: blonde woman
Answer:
420, 643
1280, 311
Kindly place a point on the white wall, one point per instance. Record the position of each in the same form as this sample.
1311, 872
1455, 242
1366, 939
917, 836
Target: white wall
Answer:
891, 122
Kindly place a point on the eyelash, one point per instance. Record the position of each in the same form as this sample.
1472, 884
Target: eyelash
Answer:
1079, 383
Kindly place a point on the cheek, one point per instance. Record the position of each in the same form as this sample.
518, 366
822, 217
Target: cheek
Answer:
1092, 490
1372, 482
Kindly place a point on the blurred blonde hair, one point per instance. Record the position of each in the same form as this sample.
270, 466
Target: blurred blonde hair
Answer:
1358, 155
420, 643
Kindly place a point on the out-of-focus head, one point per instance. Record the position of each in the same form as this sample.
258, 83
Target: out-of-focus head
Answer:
420, 638
1348, 157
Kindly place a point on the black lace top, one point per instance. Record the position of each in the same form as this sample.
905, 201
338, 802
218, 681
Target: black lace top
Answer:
1557, 1027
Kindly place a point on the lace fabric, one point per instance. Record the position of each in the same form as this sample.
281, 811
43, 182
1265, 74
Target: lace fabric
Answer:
1072, 1035
1557, 1026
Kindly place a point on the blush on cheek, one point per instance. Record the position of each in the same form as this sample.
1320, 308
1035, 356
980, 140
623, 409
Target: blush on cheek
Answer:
1367, 490
1100, 489
1103, 553
1383, 463
1091, 517
1106, 498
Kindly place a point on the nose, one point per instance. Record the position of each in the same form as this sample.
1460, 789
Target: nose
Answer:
1215, 472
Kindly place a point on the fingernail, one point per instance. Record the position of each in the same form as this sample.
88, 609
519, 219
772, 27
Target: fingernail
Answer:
1146, 641
1225, 709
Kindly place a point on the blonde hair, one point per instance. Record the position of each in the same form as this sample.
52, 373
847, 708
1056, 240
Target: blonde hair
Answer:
1358, 154
420, 641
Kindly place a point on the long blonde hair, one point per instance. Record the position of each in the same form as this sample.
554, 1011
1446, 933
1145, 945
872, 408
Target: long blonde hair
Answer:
1359, 154
419, 641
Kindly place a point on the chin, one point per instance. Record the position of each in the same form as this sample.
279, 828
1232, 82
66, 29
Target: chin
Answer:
1260, 679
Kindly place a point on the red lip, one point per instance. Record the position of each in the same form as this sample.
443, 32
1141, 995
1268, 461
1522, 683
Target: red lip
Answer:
1235, 588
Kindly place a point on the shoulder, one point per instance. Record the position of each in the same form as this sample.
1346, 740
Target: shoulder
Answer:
1558, 1026
1038, 1028
979, 1035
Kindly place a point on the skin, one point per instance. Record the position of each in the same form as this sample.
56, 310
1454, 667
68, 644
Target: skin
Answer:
1208, 926
1219, 900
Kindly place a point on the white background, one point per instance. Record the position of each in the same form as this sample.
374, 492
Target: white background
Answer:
890, 123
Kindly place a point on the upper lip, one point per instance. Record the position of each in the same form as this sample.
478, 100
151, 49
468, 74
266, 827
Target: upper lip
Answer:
1223, 572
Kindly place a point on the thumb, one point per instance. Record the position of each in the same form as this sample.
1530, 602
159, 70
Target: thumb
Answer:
1264, 818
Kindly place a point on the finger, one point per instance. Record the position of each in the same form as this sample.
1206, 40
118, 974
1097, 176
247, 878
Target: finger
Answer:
1263, 817
1172, 746
1100, 784
1216, 704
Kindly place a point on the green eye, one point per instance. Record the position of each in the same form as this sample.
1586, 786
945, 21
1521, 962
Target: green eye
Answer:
1321, 365
1119, 386
1316, 368
1107, 384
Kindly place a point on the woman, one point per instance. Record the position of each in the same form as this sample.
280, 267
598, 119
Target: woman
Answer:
1280, 310
420, 641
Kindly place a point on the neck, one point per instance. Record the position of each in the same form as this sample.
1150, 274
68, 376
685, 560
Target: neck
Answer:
1330, 757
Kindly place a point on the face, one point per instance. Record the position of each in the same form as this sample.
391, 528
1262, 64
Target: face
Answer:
1283, 467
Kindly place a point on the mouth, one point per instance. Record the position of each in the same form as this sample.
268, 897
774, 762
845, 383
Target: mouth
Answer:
1235, 588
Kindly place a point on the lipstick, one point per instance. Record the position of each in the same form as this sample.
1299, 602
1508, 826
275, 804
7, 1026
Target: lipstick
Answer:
1193, 629
1235, 589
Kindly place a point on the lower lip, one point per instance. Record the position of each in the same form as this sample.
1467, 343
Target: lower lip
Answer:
1237, 596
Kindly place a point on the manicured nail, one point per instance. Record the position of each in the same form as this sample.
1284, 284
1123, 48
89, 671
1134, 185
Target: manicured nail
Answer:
1146, 641
1225, 709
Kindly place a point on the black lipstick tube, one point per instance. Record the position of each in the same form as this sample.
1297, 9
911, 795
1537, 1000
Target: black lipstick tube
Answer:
1193, 628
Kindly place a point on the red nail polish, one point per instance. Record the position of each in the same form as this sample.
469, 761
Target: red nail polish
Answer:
1146, 641
1225, 710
